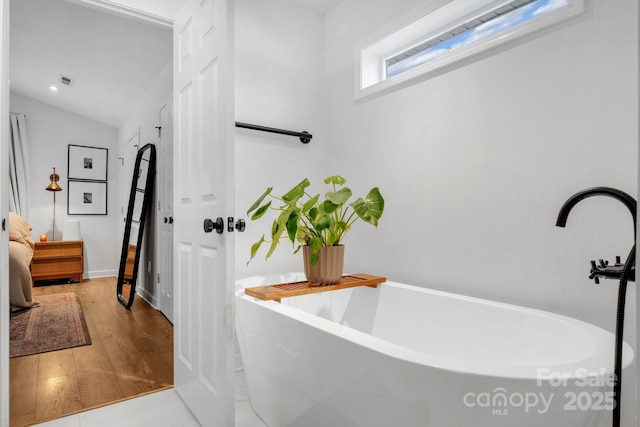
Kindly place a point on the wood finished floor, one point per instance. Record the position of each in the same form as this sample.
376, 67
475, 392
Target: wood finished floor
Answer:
131, 354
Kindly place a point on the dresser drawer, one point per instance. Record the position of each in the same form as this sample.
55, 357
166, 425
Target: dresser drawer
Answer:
57, 249
58, 260
59, 266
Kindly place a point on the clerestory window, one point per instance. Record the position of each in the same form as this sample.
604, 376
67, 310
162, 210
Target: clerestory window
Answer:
443, 32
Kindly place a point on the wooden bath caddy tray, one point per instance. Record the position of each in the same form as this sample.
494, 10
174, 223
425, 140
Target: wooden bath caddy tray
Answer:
294, 289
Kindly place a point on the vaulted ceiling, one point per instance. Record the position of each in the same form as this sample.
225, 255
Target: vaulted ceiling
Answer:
112, 59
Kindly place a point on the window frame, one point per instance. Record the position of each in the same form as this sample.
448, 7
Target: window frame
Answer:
432, 18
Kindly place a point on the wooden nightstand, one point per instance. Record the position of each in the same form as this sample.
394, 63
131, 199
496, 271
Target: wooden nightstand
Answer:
58, 260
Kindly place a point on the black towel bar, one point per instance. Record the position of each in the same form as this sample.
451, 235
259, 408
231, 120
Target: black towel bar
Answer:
304, 136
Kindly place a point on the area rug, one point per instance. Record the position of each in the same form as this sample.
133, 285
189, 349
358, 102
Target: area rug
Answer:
57, 323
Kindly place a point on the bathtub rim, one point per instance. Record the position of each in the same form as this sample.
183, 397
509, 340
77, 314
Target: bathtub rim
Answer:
459, 366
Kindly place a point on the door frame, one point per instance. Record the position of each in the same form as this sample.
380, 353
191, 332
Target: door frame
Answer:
147, 11
4, 205
160, 275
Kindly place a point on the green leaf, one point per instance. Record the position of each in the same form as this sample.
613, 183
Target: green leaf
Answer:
338, 197
335, 235
313, 258
370, 209
275, 227
280, 224
342, 227
329, 207
322, 221
260, 199
292, 225
261, 211
255, 247
296, 192
331, 238
303, 235
335, 179
310, 203
313, 213
275, 240
316, 244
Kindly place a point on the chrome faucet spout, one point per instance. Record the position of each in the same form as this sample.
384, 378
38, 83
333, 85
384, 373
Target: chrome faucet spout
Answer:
623, 197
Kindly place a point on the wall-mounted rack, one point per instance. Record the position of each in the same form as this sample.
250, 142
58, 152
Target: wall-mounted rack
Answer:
304, 136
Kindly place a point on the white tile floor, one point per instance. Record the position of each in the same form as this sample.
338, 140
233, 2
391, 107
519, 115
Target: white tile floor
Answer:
162, 409
245, 417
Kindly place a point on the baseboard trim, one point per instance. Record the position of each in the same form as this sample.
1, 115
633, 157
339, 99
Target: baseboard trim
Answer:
99, 273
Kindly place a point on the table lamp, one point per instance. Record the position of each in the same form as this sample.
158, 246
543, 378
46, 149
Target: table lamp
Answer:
54, 187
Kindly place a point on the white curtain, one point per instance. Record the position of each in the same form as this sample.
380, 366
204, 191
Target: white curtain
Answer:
18, 166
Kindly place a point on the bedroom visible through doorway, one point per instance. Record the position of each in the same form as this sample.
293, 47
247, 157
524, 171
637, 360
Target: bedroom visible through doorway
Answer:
30, 21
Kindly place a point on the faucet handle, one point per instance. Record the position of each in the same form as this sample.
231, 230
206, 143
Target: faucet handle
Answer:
603, 270
594, 272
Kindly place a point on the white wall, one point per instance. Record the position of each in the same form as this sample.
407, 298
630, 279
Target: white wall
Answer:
146, 114
279, 83
49, 132
143, 120
475, 163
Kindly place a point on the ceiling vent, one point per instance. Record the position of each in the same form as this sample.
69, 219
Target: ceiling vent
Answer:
66, 80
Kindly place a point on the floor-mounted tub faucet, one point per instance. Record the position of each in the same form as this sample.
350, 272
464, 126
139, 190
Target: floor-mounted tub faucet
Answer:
602, 269
624, 272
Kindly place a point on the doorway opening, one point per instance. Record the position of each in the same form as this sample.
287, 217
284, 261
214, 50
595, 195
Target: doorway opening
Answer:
103, 64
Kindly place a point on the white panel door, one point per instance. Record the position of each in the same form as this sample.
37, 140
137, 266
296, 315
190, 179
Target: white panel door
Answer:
164, 250
203, 189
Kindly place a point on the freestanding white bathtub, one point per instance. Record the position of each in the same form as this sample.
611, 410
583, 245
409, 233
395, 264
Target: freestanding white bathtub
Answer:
400, 355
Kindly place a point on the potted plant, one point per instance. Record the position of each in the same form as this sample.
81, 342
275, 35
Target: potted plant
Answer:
316, 224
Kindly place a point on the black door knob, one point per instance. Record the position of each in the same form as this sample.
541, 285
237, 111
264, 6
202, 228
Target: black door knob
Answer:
240, 225
210, 225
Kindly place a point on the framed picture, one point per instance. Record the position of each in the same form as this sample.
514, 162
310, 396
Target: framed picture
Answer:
87, 198
88, 163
